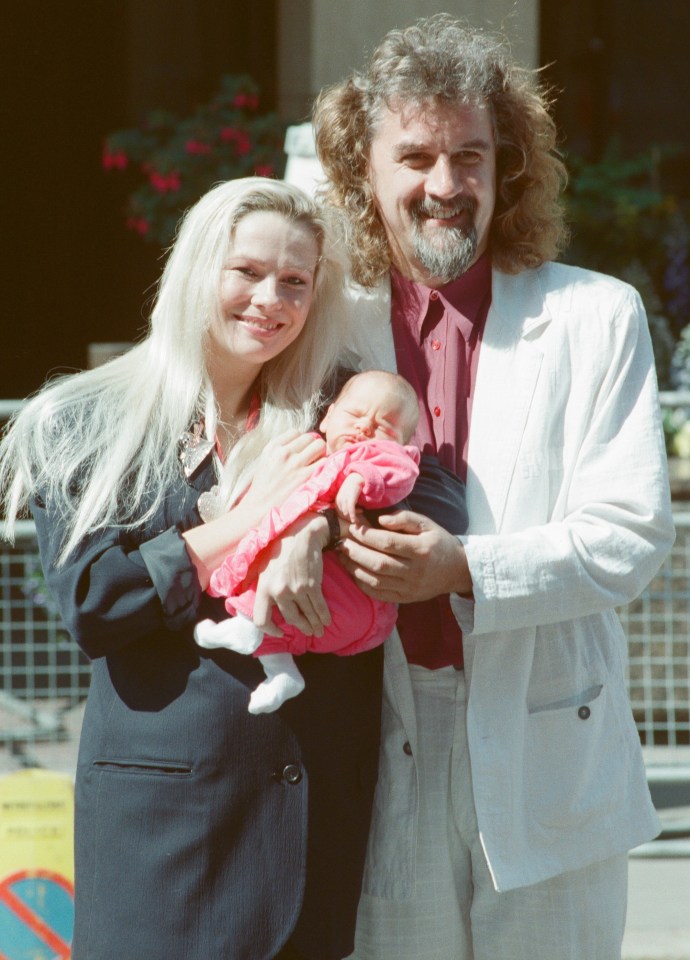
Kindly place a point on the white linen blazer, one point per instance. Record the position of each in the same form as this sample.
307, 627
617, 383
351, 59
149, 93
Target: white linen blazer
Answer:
570, 516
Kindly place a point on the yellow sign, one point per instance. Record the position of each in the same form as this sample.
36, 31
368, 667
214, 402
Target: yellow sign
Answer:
37, 823
36, 865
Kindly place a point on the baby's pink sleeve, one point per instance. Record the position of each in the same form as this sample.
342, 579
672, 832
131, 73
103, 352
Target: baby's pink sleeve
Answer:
388, 469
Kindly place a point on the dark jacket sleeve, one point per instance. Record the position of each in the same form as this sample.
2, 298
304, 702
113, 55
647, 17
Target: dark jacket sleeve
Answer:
113, 589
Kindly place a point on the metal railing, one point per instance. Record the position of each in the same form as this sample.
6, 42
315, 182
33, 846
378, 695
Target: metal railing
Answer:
43, 674
657, 626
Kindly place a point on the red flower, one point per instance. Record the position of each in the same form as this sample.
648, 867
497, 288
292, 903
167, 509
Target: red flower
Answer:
197, 146
243, 144
241, 139
139, 224
163, 183
117, 160
264, 170
243, 100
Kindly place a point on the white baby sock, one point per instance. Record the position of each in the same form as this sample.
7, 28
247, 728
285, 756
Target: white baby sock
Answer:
236, 633
283, 680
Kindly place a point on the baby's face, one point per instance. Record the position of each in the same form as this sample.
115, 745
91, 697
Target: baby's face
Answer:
366, 410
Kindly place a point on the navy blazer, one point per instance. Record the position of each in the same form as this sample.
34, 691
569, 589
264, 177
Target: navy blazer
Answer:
203, 831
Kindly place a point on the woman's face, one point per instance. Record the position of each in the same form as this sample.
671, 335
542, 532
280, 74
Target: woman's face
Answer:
267, 285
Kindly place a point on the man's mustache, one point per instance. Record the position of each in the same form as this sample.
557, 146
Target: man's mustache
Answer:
423, 209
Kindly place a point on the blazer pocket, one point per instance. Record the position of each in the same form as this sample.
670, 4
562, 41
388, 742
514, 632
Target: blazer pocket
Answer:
136, 767
581, 699
572, 755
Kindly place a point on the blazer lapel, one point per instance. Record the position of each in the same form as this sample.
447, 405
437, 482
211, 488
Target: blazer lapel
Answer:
511, 356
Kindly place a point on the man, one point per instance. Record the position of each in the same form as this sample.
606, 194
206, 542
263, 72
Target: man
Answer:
511, 783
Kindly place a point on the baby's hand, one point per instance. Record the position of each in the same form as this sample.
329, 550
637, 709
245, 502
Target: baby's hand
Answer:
346, 498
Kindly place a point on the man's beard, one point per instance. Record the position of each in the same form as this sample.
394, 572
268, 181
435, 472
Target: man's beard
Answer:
450, 251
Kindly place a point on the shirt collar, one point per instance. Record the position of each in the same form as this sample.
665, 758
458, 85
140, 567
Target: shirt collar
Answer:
462, 298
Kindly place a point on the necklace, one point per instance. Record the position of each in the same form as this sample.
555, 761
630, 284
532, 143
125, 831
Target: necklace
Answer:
195, 447
228, 433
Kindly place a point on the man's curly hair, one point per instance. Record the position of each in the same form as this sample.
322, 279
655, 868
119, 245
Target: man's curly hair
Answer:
442, 60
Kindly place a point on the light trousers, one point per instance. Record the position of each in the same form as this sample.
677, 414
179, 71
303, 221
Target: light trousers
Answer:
455, 912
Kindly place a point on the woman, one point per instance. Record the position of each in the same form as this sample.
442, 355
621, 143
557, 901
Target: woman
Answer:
203, 831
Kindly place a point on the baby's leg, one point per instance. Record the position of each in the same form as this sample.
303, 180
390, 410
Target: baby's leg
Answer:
236, 633
283, 680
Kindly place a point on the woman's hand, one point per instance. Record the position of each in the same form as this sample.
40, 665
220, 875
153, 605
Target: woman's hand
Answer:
289, 575
285, 463
410, 559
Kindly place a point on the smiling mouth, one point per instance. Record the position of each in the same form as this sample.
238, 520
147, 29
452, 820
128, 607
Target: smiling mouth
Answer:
447, 221
445, 218
257, 323
424, 212
449, 215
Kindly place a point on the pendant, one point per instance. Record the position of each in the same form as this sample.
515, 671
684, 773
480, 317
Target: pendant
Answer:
210, 504
194, 448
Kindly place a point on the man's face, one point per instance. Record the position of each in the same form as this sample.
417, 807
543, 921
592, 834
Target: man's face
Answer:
432, 170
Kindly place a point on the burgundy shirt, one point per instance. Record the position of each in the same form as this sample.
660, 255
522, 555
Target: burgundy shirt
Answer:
437, 335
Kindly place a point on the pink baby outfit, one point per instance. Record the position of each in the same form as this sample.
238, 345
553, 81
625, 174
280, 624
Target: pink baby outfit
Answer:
358, 622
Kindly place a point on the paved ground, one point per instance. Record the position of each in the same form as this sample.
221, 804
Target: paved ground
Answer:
658, 925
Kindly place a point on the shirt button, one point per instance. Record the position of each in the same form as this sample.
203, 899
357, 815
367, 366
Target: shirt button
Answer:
433, 295
584, 713
407, 748
437, 411
435, 344
292, 773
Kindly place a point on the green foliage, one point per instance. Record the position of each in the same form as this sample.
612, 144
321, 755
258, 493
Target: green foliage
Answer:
677, 432
625, 224
677, 420
170, 162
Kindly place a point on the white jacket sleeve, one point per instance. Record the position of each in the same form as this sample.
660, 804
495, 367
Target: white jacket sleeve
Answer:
594, 443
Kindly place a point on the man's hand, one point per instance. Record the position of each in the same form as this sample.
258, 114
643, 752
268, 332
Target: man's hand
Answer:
289, 575
410, 559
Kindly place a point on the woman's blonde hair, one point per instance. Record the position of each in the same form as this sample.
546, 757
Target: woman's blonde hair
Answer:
439, 59
101, 447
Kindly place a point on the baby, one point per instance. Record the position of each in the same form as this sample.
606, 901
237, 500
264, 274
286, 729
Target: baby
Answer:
367, 464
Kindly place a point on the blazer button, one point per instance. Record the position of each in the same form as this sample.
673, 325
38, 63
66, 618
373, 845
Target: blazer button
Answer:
407, 748
584, 713
292, 773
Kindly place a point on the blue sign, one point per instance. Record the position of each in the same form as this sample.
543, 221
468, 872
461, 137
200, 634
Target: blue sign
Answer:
36, 916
